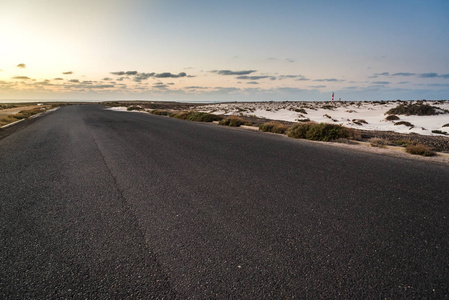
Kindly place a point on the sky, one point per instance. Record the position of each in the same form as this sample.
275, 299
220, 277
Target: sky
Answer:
211, 50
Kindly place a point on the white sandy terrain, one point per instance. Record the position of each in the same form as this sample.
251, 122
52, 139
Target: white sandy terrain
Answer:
370, 114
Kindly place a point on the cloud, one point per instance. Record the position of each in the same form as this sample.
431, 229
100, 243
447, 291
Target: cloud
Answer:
119, 73
67, 73
428, 75
170, 75
229, 72
289, 90
382, 74
439, 84
404, 82
227, 89
138, 77
195, 88
21, 66
107, 78
381, 82
403, 74
286, 59
21, 77
317, 86
143, 76
58, 78
252, 82
444, 76
74, 81
245, 77
160, 85
329, 80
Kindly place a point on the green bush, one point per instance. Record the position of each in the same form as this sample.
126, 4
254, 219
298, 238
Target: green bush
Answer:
274, 127
160, 112
197, 116
232, 121
318, 132
419, 149
418, 109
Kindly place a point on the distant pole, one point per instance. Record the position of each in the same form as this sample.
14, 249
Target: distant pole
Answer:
332, 96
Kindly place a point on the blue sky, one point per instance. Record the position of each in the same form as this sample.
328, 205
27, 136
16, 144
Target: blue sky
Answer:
224, 50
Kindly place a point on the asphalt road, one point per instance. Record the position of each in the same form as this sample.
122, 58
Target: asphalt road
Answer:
100, 204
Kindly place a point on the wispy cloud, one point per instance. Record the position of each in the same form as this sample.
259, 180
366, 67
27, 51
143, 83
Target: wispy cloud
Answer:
317, 86
67, 73
428, 75
195, 87
403, 74
329, 80
245, 77
21, 66
381, 82
21, 78
439, 84
229, 72
143, 76
170, 75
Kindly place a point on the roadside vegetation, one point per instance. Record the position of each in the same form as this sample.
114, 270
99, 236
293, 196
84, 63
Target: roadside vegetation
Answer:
274, 127
378, 142
160, 112
197, 116
28, 110
320, 132
419, 149
233, 121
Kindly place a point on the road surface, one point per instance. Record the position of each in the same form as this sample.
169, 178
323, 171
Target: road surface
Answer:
101, 204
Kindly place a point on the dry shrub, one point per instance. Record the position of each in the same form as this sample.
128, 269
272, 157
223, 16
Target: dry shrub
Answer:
233, 121
359, 121
274, 127
392, 118
197, 116
419, 149
418, 109
160, 112
404, 123
319, 132
378, 142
